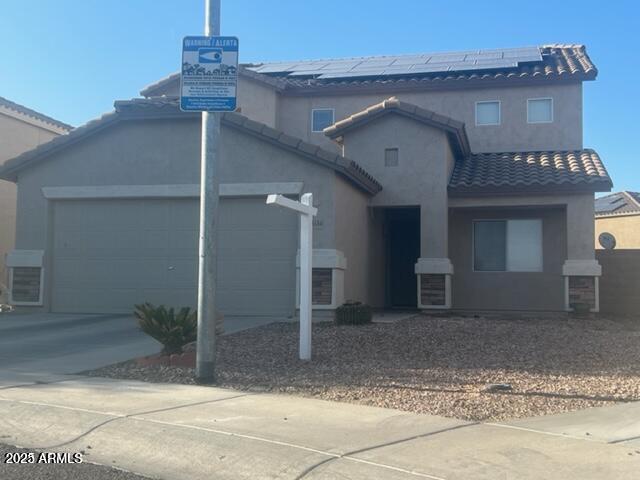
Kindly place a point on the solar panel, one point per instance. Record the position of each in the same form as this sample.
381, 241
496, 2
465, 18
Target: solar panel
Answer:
404, 64
610, 203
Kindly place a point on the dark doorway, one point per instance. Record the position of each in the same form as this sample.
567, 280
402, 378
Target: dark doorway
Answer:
403, 250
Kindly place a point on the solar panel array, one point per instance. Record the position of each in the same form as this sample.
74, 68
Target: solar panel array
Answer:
403, 64
609, 204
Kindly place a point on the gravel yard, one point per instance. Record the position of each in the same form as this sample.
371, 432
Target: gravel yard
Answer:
435, 365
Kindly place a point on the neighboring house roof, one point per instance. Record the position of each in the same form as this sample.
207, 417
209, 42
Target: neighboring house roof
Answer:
619, 203
453, 128
169, 108
154, 89
556, 62
27, 112
530, 172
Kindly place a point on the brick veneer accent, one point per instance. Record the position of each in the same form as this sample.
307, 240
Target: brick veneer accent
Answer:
26, 284
321, 286
432, 289
582, 290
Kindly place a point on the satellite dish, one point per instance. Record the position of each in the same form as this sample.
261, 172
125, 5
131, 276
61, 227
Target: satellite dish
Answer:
607, 241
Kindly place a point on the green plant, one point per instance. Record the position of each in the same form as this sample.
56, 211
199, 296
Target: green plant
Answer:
581, 309
353, 313
171, 329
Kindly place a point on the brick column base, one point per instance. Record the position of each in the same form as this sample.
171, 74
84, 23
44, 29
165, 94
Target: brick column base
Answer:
581, 284
434, 283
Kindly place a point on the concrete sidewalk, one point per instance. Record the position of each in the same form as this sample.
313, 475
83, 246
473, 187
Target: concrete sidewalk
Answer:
179, 432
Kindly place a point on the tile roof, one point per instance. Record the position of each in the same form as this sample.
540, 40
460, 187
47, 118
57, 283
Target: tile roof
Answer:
155, 88
168, 107
16, 107
619, 203
454, 128
559, 62
516, 172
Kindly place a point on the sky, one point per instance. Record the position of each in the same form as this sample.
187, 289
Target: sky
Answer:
71, 59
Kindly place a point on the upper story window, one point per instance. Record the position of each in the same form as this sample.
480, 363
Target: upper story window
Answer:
488, 113
507, 245
540, 110
321, 118
391, 157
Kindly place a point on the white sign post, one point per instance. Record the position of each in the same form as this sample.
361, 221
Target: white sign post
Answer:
307, 212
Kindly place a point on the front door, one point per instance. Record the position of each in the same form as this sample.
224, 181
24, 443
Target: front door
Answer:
403, 227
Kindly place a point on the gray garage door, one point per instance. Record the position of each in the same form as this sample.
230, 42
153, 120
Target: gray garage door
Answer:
111, 254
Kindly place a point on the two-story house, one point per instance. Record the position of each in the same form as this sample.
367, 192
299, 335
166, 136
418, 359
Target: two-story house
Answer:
443, 181
21, 129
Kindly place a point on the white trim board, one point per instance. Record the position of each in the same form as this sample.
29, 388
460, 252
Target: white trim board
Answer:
168, 191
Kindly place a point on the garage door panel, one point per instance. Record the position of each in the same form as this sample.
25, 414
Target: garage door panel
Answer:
184, 240
112, 254
183, 272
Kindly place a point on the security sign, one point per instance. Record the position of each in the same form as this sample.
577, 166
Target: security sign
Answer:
209, 76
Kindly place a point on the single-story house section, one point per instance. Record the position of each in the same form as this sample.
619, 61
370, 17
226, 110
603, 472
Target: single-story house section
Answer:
411, 212
618, 214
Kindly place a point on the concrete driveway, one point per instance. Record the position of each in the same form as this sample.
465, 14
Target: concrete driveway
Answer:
47, 343
35, 345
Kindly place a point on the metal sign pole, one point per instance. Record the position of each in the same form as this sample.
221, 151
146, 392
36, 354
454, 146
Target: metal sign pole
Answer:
206, 343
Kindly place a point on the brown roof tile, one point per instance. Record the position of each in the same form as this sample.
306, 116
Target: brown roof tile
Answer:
515, 172
559, 62
168, 107
454, 128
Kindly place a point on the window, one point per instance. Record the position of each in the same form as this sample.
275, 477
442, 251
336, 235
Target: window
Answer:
321, 118
488, 113
540, 110
507, 245
391, 158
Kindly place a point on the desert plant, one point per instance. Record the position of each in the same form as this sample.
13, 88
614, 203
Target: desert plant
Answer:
353, 313
171, 329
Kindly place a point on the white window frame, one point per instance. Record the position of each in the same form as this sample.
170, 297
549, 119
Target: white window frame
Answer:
529, 100
333, 115
475, 112
506, 252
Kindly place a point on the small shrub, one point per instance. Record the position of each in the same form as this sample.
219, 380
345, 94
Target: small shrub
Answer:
353, 313
171, 329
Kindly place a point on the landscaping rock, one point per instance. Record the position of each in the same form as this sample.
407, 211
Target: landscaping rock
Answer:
498, 387
435, 365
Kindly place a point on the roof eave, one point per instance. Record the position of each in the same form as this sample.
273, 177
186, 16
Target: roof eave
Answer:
461, 83
522, 189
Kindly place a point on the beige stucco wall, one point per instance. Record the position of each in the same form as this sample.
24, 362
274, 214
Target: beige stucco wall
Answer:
420, 179
258, 101
626, 229
513, 134
542, 291
579, 216
16, 137
255, 99
359, 236
165, 152
293, 113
